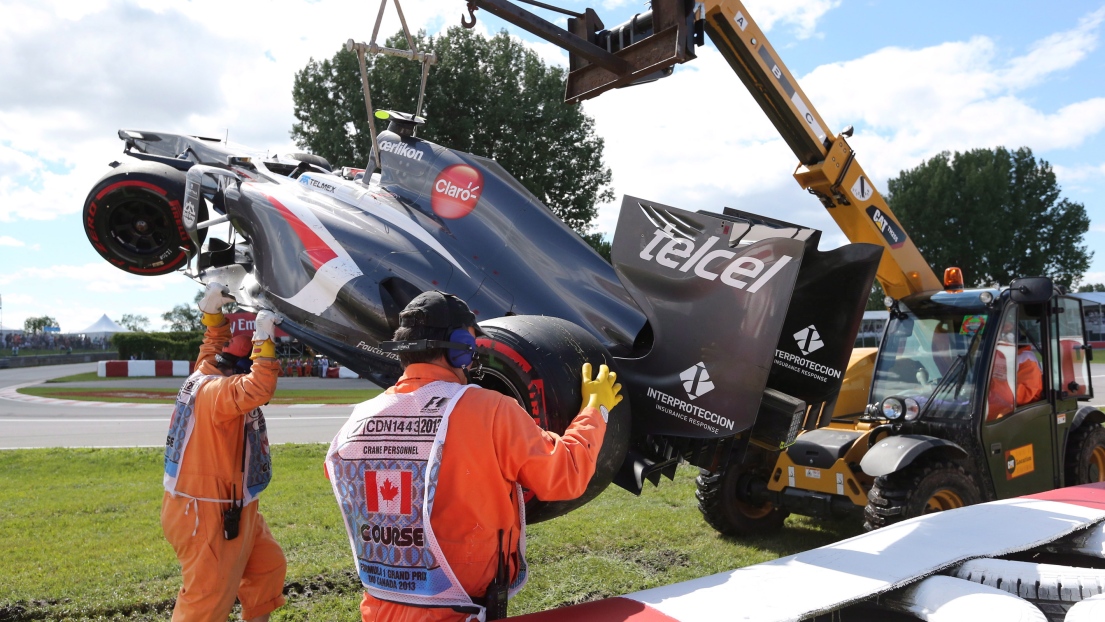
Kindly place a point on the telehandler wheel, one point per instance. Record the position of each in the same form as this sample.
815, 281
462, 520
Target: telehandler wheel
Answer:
924, 488
719, 500
1086, 455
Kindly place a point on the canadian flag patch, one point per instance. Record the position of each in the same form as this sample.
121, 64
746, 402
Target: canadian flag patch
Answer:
388, 492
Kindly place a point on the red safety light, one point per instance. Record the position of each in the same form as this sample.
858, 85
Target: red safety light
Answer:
953, 280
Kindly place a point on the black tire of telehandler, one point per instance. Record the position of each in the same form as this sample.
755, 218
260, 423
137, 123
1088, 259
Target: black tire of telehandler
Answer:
921, 488
1086, 455
538, 360
722, 508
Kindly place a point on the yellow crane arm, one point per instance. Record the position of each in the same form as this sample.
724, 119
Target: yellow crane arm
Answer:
828, 168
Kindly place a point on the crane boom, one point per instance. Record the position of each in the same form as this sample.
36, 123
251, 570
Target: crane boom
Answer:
645, 48
828, 168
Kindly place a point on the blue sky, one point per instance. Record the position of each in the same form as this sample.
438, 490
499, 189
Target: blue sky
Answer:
913, 78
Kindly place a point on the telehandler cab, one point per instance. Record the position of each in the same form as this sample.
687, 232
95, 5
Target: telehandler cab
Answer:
975, 397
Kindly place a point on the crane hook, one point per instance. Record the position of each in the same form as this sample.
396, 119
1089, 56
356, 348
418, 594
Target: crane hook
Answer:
470, 21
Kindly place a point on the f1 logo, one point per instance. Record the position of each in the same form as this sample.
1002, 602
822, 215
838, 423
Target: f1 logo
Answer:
435, 404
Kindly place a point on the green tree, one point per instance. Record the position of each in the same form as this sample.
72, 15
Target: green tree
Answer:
183, 318
995, 213
36, 325
1092, 287
136, 323
488, 96
876, 299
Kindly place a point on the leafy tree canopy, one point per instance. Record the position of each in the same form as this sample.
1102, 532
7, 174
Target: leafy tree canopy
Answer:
995, 213
488, 96
183, 318
136, 323
38, 324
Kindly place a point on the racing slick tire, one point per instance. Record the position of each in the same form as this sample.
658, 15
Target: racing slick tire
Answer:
921, 488
719, 500
132, 217
1086, 455
538, 361
311, 158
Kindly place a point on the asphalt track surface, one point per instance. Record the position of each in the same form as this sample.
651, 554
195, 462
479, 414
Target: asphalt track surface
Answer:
27, 422
35, 422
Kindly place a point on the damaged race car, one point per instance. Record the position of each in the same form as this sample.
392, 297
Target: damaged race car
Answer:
729, 331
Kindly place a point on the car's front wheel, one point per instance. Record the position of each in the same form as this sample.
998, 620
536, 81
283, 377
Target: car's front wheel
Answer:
133, 218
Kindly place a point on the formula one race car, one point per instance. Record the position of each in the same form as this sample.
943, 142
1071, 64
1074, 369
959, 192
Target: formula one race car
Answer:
727, 330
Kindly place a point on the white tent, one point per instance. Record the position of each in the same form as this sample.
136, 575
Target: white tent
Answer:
9, 330
103, 327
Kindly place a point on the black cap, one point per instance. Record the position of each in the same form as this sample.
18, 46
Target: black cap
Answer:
435, 309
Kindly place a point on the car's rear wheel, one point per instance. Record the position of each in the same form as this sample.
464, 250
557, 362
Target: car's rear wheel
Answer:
537, 360
132, 217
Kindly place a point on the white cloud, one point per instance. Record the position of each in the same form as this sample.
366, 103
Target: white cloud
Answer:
99, 277
802, 15
7, 240
1075, 174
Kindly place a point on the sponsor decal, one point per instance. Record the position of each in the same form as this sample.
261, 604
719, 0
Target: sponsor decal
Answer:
402, 150
706, 262
893, 234
806, 367
388, 492
689, 412
972, 324
696, 381
311, 182
808, 339
813, 473
377, 351
456, 191
191, 204
1019, 461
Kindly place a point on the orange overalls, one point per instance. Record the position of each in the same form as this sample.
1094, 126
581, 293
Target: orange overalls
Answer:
491, 444
214, 569
1030, 383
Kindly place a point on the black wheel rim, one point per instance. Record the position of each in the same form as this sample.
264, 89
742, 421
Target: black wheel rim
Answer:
139, 226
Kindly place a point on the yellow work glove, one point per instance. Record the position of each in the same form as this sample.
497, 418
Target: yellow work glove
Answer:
263, 350
213, 319
602, 392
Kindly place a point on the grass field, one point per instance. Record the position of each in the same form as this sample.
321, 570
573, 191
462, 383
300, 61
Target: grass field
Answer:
82, 540
168, 396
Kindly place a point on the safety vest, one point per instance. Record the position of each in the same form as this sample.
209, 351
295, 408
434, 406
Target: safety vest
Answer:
258, 462
383, 466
